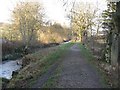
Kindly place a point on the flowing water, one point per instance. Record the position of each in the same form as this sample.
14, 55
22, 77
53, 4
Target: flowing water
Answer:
7, 67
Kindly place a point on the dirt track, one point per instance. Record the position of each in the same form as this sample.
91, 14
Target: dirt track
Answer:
76, 72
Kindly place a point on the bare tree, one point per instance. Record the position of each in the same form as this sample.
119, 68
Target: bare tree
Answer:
27, 18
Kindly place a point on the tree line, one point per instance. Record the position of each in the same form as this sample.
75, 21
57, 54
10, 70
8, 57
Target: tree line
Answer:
28, 27
28, 30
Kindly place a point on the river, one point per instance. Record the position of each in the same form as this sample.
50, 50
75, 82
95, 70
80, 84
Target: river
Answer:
7, 67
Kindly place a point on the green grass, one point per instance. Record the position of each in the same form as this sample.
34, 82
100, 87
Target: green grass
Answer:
52, 58
52, 81
30, 73
86, 52
90, 59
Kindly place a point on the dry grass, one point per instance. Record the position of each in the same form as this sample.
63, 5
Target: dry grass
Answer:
32, 67
38, 64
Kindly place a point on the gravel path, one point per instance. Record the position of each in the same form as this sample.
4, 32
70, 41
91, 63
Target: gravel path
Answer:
77, 72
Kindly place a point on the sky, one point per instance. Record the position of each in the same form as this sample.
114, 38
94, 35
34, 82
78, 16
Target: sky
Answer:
54, 9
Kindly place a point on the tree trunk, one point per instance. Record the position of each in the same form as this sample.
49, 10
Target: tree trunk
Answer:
115, 48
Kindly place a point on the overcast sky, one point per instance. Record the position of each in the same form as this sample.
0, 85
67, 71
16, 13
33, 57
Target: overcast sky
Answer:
53, 9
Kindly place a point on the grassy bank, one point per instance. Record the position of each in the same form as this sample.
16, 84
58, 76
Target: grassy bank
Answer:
86, 52
40, 63
52, 81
